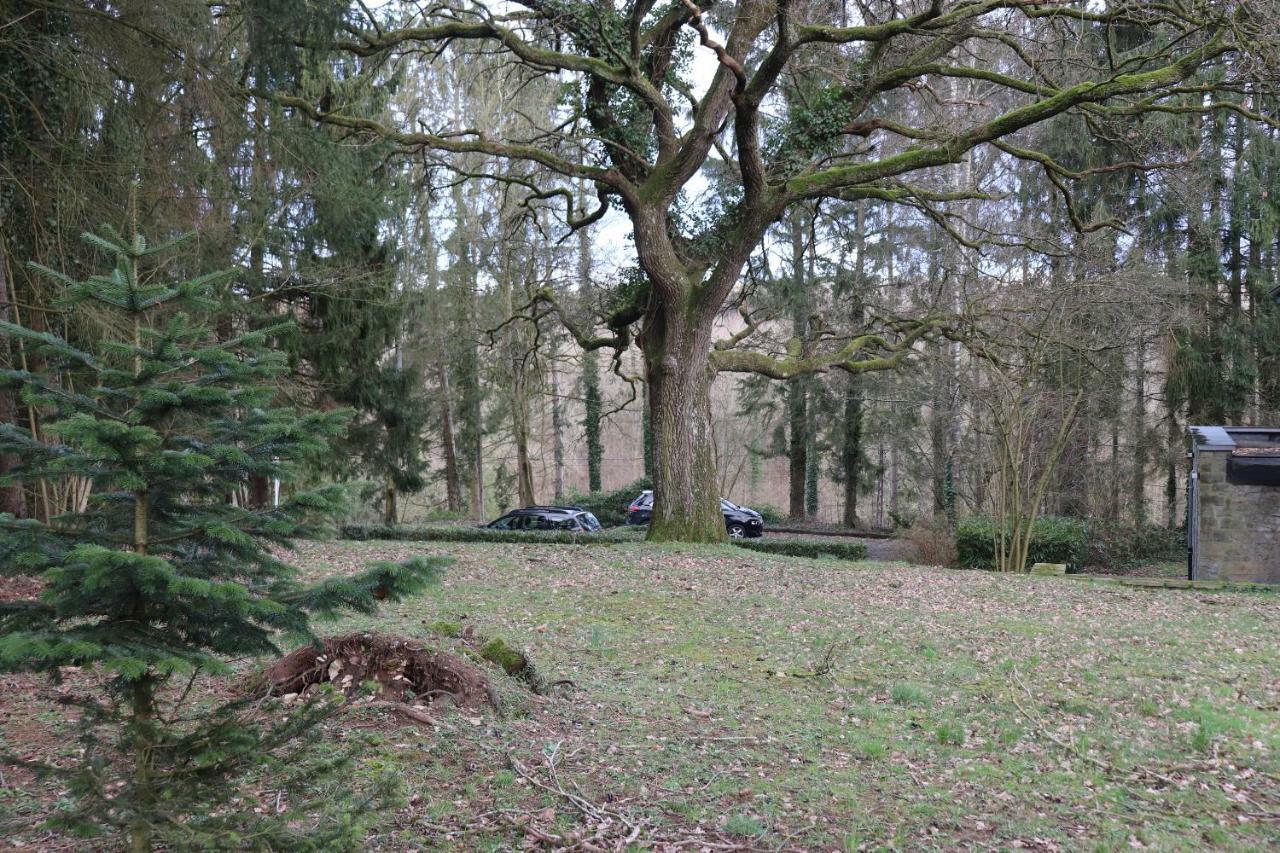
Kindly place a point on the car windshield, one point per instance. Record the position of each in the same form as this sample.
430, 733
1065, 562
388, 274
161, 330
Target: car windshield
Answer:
589, 521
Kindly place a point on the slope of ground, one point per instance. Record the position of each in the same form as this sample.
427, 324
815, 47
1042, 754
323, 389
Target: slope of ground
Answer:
729, 700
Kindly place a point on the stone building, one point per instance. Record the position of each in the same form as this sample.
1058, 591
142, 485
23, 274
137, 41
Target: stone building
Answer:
1233, 512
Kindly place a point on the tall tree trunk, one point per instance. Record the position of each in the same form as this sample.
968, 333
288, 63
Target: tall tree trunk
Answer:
812, 468
520, 431
1172, 452
477, 479
591, 419
797, 446
880, 472
1138, 480
259, 195
686, 500
557, 429
390, 505
452, 482
851, 451
895, 510
798, 439
938, 422
1113, 494
590, 368
12, 498
470, 411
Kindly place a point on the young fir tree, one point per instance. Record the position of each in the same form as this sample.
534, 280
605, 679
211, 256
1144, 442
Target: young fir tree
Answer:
164, 575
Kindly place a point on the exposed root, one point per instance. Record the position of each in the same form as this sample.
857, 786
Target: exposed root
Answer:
395, 669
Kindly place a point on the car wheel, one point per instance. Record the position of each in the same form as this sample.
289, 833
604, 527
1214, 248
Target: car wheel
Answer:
737, 531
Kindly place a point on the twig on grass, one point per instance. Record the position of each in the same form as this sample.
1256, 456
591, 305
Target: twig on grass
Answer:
597, 814
1071, 747
826, 666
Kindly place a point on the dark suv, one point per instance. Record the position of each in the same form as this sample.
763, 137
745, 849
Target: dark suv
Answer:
574, 519
738, 520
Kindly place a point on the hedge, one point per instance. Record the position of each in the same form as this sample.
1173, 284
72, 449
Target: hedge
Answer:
1054, 539
610, 507
807, 548
483, 534
787, 547
1114, 546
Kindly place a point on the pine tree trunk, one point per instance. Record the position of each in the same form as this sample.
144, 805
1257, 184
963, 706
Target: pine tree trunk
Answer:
470, 412
1113, 504
520, 432
12, 499
557, 431
142, 714
811, 472
259, 491
390, 510
938, 435
798, 388
1138, 480
590, 368
259, 201
1171, 472
880, 459
894, 506
452, 483
591, 419
477, 475
851, 450
797, 447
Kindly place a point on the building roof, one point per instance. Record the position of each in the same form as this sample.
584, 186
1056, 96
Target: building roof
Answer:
1230, 438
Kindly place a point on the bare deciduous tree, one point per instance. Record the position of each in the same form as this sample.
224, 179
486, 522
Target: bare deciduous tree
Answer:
877, 125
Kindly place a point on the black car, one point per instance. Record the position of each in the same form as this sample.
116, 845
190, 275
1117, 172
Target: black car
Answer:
738, 520
573, 519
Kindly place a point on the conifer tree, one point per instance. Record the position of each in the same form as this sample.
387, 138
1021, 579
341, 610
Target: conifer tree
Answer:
163, 576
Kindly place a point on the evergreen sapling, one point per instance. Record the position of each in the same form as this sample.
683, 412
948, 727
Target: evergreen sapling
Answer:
165, 576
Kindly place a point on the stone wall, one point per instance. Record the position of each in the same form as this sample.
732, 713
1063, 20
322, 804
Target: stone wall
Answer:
1239, 526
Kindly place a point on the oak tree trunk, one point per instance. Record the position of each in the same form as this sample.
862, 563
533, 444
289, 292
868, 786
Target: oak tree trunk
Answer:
686, 505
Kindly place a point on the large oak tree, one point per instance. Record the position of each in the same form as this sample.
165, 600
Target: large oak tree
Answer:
882, 99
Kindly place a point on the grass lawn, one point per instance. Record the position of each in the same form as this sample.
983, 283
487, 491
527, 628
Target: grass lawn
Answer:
723, 699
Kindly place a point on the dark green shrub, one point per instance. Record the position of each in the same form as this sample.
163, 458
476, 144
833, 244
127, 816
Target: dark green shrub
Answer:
610, 507
1114, 546
1054, 539
769, 513
840, 549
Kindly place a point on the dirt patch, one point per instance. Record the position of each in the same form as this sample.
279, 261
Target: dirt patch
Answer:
400, 669
20, 588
